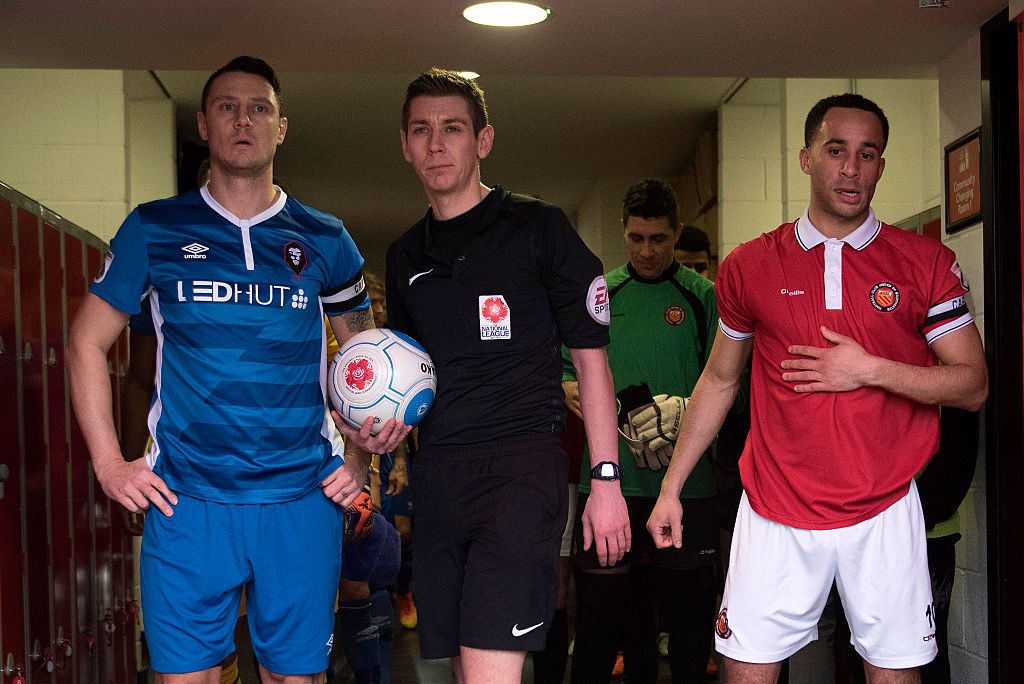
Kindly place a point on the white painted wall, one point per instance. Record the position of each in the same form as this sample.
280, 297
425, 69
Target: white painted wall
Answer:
64, 142
750, 150
151, 150
87, 144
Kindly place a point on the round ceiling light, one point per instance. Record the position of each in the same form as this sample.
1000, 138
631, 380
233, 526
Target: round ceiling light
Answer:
471, 75
505, 13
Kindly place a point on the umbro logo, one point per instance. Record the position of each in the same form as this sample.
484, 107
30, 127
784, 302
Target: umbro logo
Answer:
195, 251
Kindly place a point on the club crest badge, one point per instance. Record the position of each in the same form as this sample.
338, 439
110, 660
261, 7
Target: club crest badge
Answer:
885, 297
674, 315
722, 625
495, 318
295, 257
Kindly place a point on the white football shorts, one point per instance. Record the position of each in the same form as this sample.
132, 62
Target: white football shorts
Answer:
780, 576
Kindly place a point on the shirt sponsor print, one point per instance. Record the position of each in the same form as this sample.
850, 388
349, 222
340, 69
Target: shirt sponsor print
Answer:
495, 318
249, 294
599, 304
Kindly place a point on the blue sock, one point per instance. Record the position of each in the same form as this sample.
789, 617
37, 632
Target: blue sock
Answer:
383, 615
360, 639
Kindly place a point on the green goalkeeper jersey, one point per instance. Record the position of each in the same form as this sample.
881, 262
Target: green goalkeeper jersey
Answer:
661, 334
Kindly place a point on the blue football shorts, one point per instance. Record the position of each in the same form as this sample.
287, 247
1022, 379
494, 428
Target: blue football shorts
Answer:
195, 563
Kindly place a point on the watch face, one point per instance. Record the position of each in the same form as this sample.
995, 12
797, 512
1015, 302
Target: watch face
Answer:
605, 471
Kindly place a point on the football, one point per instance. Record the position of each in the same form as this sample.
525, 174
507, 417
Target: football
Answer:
384, 374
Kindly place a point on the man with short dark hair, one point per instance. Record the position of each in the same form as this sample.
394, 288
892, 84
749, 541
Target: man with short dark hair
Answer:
492, 284
663, 323
241, 483
859, 331
693, 250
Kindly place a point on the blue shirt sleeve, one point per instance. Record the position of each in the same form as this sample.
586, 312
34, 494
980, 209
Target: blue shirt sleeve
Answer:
125, 277
346, 291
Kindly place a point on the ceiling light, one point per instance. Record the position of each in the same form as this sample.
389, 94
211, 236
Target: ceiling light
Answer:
469, 74
506, 13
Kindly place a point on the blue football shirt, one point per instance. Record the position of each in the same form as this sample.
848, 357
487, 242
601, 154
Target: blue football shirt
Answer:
237, 307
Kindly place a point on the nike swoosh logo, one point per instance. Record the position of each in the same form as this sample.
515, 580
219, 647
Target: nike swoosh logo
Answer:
516, 632
418, 275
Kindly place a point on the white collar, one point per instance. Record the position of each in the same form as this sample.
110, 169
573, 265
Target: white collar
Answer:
809, 237
267, 213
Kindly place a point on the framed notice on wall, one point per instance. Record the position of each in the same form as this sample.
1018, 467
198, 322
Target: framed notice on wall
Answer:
963, 182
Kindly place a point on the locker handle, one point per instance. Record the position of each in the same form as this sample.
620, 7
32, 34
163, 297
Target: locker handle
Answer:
26, 355
10, 668
51, 357
5, 473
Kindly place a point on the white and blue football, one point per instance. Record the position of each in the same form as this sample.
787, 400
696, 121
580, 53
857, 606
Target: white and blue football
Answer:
384, 374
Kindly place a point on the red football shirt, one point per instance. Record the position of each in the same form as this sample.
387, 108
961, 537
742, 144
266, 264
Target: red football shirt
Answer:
826, 460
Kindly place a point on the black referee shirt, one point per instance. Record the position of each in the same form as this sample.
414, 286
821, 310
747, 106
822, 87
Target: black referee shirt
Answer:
493, 313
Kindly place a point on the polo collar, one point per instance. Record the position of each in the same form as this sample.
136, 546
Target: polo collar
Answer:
809, 237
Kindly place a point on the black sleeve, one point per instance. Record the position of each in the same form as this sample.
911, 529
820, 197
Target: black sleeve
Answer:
570, 270
398, 314
945, 481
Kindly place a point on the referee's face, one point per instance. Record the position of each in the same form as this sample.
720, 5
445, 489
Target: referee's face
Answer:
440, 144
650, 242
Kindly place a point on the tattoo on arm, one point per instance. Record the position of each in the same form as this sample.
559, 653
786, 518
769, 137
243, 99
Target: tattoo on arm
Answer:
358, 321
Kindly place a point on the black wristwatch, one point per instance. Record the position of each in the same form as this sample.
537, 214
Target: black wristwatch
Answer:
606, 470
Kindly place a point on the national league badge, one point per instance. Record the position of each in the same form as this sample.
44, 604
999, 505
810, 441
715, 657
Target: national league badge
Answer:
495, 318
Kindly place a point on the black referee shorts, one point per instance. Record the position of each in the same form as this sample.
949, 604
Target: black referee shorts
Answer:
489, 523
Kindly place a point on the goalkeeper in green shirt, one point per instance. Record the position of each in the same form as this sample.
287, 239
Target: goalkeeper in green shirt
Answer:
663, 322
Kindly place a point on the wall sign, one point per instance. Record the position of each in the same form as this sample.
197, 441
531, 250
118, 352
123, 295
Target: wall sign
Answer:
963, 182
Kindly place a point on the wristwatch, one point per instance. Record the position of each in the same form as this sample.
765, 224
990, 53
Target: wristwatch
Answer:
606, 470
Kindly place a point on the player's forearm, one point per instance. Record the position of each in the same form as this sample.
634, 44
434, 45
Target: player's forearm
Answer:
597, 403
963, 386
357, 459
92, 401
709, 404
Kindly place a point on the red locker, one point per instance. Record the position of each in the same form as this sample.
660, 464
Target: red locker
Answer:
86, 620
66, 579
12, 588
59, 650
38, 566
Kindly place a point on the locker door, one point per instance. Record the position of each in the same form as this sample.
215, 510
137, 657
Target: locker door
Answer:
57, 450
39, 575
12, 588
120, 547
86, 621
101, 513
